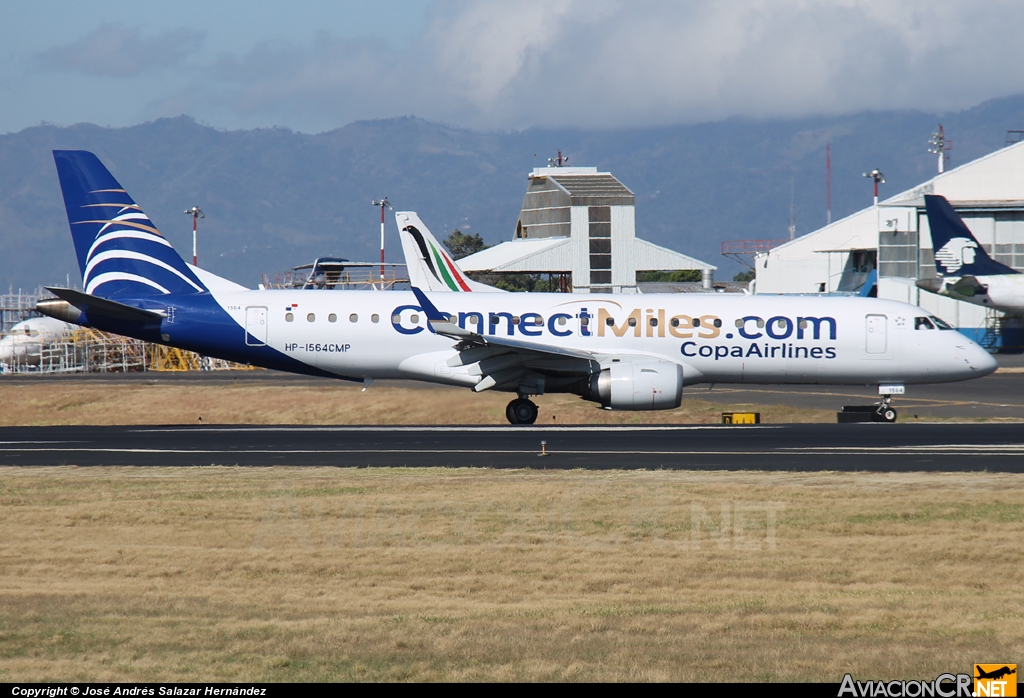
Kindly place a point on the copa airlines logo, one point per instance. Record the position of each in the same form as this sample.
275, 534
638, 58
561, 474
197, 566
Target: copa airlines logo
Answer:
128, 248
707, 336
958, 252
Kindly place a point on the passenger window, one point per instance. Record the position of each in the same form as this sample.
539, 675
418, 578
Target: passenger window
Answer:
561, 322
923, 323
717, 322
375, 318
311, 318
332, 318
396, 318
288, 317
609, 322
415, 319
675, 322
538, 321
654, 322
696, 322
353, 318
632, 322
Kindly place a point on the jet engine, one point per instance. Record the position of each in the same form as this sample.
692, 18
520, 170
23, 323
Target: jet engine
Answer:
638, 385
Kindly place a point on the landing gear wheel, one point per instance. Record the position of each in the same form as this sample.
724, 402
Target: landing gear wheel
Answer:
521, 411
888, 414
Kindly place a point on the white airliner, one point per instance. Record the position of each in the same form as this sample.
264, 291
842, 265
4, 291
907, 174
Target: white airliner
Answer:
966, 272
628, 352
23, 344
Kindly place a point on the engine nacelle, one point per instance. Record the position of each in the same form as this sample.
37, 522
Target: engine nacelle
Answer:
638, 385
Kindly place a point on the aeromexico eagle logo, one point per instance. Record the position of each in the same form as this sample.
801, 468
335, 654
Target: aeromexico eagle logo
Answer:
957, 253
439, 263
124, 250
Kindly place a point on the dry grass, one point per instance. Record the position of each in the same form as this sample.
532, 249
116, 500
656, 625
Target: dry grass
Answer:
269, 402
329, 574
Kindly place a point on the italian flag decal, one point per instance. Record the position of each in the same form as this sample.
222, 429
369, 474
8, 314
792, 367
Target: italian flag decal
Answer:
449, 273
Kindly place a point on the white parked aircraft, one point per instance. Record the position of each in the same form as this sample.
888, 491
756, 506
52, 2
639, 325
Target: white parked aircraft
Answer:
629, 352
966, 272
23, 344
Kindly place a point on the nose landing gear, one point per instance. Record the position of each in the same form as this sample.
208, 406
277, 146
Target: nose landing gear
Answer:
521, 411
885, 410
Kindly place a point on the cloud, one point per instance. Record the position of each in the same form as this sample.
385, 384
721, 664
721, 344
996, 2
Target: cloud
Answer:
607, 63
115, 50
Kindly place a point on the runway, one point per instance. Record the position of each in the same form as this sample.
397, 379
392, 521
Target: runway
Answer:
803, 447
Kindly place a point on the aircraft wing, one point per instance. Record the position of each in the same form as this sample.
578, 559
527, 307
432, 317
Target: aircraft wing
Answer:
505, 361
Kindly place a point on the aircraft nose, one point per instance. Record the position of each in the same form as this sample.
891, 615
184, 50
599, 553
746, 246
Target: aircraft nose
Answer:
980, 361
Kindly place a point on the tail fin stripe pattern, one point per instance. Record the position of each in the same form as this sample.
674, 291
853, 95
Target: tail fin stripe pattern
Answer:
455, 273
123, 207
121, 276
444, 271
119, 221
122, 234
128, 254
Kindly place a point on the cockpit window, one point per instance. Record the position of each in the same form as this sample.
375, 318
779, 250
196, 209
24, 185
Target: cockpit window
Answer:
923, 323
941, 324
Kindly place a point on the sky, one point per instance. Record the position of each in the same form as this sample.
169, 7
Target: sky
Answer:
315, 65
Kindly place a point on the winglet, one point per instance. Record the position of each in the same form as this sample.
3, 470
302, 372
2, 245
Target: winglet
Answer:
429, 308
438, 321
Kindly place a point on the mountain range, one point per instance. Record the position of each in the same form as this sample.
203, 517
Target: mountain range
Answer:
275, 198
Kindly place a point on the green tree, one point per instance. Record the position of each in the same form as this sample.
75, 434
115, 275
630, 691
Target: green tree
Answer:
461, 245
670, 276
745, 276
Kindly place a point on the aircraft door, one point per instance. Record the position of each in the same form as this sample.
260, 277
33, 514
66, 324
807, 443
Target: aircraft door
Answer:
875, 340
256, 326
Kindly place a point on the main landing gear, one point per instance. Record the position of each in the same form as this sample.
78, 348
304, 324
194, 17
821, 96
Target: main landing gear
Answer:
521, 411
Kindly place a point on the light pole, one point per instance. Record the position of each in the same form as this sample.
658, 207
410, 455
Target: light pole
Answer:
383, 203
878, 178
196, 214
938, 145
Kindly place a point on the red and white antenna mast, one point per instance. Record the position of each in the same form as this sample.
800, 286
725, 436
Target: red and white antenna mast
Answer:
383, 203
196, 214
558, 161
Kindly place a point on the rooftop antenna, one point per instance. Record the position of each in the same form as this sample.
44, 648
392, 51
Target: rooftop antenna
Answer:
938, 145
878, 178
559, 161
196, 214
792, 211
828, 184
383, 203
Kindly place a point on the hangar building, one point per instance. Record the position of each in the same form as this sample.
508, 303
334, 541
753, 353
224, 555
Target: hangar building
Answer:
580, 224
890, 242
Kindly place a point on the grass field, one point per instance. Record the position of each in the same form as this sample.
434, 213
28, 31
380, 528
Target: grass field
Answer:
272, 402
393, 574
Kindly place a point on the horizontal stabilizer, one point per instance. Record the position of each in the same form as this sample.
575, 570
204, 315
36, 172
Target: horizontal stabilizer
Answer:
94, 305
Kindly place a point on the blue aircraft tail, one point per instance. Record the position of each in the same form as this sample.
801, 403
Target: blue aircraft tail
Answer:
957, 252
120, 252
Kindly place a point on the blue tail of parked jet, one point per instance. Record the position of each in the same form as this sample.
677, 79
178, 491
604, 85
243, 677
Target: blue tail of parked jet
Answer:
957, 252
120, 252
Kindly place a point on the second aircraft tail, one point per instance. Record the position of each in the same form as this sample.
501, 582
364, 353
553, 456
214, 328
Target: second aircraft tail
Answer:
957, 252
430, 266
